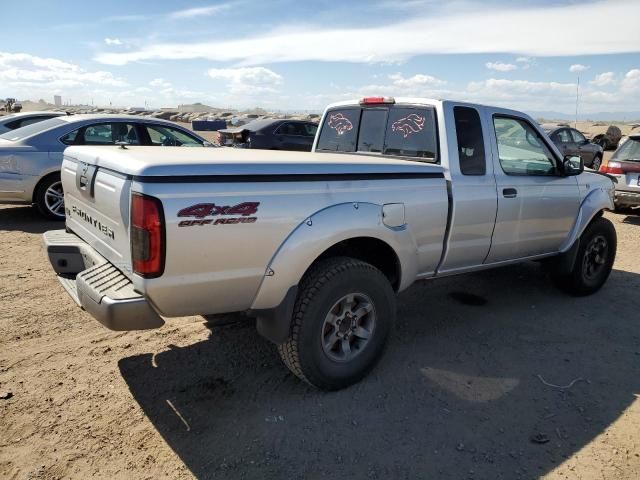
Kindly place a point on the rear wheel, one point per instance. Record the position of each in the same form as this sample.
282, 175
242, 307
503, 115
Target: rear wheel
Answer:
597, 161
49, 197
594, 260
341, 322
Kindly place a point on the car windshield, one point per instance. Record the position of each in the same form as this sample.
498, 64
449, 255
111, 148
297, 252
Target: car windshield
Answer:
24, 132
629, 151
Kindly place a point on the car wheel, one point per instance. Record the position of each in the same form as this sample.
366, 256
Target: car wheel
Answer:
597, 161
594, 260
49, 198
341, 321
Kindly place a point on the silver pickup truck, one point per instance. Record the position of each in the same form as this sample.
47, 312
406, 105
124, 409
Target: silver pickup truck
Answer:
316, 245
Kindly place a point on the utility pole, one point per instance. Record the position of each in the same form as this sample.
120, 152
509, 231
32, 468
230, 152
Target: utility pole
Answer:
575, 125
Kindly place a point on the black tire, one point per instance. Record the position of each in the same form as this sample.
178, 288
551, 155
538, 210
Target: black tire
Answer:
43, 197
594, 260
321, 290
597, 161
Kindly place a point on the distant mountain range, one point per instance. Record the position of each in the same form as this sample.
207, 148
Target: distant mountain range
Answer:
626, 117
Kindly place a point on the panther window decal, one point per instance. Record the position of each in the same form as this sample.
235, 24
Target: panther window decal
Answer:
340, 123
408, 125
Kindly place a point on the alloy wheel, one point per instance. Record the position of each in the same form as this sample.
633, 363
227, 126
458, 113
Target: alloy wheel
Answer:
595, 257
54, 199
348, 327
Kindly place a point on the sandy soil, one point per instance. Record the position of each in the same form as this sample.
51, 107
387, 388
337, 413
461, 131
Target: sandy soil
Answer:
460, 392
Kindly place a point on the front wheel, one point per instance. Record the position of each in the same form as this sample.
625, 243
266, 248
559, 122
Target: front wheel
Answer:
594, 260
341, 320
597, 161
49, 198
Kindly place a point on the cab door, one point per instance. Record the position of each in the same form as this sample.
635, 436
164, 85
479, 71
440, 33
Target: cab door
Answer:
537, 206
473, 187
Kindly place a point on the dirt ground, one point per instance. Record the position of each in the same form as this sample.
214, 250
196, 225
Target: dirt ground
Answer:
462, 391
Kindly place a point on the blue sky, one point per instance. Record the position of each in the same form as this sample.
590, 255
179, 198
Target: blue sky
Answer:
293, 55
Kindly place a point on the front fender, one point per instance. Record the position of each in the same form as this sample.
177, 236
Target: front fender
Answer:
597, 200
323, 230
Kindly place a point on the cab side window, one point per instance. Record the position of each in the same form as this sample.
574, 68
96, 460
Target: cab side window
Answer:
521, 150
470, 141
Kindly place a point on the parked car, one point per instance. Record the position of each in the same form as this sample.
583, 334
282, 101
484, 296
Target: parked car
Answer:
571, 142
271, 134
316, 245
31, 156
625, 166
19, 120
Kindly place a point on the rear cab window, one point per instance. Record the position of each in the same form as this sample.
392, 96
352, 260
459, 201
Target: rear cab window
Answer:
399, 130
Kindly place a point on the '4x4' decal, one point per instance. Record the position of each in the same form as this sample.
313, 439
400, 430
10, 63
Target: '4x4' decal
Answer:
240, 213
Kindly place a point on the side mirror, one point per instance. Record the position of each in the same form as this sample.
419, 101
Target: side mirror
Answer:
572, 165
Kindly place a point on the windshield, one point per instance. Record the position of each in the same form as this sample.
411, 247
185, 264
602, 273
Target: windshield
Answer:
629, 151
404, 131
24, 132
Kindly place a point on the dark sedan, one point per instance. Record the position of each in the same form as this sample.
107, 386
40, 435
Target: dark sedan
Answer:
571, 142
271, 134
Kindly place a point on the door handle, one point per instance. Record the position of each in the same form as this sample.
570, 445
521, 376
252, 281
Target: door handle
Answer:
509, 193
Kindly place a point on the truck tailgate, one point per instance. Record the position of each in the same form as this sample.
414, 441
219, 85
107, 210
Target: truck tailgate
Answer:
97, 208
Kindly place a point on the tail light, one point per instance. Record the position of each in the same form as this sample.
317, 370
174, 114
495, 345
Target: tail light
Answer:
147, 236
612, 167
376, 100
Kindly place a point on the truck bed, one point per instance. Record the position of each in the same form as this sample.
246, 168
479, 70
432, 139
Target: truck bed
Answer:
217, 263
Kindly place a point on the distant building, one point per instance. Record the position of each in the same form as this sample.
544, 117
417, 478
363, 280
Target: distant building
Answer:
57, 100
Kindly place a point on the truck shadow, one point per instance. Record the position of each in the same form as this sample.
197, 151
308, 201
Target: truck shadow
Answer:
25, 218
486, 376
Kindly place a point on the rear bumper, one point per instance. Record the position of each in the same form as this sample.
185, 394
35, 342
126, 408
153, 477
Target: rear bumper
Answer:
630, 199
98, 286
